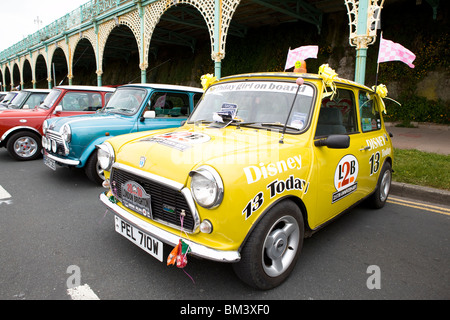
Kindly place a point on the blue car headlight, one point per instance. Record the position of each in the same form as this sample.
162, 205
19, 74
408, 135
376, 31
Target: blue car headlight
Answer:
66, 133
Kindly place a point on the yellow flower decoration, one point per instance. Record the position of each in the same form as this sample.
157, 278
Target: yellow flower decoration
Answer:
207, 80
328, 75
380, 90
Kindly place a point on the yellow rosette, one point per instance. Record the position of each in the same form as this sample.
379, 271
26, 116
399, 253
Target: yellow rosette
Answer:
207, 80
382, 92
328, 76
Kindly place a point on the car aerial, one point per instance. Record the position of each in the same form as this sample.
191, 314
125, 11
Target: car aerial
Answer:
71, 141
21, 130
27, 99
263, 162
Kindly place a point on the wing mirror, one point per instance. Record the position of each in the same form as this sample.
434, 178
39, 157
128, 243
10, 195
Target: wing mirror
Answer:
334, 141
148, 115
57, 109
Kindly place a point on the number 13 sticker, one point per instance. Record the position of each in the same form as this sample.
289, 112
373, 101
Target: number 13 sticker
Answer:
253, 205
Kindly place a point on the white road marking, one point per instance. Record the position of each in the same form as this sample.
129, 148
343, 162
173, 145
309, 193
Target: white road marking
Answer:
83, 292
4, 194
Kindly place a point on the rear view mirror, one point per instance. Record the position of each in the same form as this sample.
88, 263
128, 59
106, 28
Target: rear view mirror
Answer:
334, 141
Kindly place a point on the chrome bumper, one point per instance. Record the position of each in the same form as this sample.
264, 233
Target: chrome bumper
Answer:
169, 238
62, 160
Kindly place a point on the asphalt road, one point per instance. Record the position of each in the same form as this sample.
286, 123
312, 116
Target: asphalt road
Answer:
55, 233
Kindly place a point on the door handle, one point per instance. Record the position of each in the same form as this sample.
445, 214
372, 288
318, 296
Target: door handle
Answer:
365, 148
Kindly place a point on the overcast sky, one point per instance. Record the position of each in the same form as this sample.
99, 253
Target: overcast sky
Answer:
18, 17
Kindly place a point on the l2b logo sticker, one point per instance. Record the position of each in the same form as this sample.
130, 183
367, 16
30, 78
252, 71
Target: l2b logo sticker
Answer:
345, 177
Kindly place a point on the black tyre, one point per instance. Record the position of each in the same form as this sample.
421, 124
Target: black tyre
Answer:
93, 170
24, 146
378, 199
272, 249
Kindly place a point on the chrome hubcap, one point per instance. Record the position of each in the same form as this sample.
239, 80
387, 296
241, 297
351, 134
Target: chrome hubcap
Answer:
385, 185
100, 171
280, 246
25, 147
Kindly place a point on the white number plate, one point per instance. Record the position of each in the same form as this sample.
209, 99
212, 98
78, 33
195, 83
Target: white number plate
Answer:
49, 162
151, 245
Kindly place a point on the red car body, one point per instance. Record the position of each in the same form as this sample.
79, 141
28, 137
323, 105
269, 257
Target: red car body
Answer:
21, 129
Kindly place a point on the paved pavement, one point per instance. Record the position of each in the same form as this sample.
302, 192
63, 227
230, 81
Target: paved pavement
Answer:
427, 138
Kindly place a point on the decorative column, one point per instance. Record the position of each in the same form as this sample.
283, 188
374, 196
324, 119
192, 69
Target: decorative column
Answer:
217, 56
99, 71
99, 77
69, 78
364, 18
143, 65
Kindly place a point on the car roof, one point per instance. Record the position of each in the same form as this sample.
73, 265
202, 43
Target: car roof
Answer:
86, 88
291, 76
164, 86
37, 90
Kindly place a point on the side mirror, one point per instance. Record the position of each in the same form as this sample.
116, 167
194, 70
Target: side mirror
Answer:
149, 114
57, 109
334, 141
26, 107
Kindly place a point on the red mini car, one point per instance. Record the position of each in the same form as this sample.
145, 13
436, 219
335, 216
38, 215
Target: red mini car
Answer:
21, 130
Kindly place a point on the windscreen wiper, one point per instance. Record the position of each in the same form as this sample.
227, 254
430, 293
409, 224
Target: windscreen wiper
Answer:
278, 124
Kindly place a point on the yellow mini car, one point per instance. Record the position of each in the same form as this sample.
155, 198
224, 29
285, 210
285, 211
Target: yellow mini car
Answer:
264, 161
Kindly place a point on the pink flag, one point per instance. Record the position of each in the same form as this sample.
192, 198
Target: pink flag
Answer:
300, 53
391, 51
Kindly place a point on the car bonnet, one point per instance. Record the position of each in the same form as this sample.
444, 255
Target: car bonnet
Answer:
174, 153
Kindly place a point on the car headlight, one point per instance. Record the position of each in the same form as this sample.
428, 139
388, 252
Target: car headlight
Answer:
45, 127
105, 156
66, 133
206, 187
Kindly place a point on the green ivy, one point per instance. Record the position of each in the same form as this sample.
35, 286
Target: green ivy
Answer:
417, 109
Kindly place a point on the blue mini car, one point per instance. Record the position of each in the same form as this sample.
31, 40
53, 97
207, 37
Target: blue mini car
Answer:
71, 141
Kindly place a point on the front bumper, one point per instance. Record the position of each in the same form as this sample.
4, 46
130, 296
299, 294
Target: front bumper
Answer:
63, 160
169, 238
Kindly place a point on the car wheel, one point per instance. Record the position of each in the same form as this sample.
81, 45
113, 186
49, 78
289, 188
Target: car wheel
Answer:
93, 170
272, 249
379, 197
24, 146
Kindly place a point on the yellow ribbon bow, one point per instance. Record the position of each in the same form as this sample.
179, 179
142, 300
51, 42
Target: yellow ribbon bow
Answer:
207, 80
328, 76
382, 92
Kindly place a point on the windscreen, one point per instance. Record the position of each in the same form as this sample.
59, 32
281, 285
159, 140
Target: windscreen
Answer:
257, 102
50, 99
125, 101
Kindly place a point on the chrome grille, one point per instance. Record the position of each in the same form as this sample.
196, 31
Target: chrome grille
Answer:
55, 136
167, 203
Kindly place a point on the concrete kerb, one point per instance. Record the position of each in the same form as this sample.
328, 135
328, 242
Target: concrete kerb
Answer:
421, 193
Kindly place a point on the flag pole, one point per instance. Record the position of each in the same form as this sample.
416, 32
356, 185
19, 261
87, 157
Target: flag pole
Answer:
289, 50
378, 63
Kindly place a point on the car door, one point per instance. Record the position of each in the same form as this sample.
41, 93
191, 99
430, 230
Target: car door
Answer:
338, 170
169, 109
374, 145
